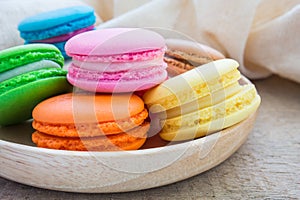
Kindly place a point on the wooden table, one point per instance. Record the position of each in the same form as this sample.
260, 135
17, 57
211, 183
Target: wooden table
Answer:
267, 166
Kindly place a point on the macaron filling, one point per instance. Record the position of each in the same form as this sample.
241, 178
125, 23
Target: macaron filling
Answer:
28, 68
132, 74
117, 66
119, 58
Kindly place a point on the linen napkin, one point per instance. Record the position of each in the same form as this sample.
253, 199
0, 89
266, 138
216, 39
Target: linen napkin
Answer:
262, 35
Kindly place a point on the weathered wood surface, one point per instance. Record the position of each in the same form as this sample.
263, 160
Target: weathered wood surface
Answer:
265, 167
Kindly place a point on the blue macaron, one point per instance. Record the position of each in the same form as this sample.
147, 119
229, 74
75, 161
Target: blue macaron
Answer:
57, 26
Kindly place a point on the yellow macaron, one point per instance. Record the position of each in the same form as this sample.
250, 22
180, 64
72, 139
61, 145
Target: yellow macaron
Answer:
194, 84
201, 101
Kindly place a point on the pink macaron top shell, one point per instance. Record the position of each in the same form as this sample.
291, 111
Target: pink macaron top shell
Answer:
114, 41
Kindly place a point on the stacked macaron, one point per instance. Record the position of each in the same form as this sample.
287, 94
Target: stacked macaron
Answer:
57, 26
108, 66
183, 55
28, 75
201, 101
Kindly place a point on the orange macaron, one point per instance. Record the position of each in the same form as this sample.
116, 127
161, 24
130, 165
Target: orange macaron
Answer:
91, 122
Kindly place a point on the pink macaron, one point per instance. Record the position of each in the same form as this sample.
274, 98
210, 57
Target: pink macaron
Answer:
117, 60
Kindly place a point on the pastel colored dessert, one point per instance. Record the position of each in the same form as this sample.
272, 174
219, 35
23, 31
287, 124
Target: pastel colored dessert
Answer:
193, 85
28, 75
57, 26
201, 101
183, 55
116, 60
85, 122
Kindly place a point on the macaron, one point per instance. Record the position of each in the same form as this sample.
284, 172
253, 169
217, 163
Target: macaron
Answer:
116, 60
183, 55
57, 26
28, 75
201, 101
85, 122
193, 85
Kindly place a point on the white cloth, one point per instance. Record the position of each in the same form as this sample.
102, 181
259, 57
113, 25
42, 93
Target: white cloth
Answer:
262, 35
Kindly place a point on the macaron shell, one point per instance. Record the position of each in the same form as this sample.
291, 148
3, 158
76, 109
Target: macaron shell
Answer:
25, 54
191, 50
55, 18
87, 108
114, 41
130, 140
183, 55
18, 103
29, 77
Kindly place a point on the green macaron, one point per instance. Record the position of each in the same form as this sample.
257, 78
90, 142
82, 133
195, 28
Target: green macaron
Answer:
28, 75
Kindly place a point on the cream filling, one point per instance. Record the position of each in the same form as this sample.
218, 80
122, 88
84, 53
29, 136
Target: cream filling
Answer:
28, 68
117, 66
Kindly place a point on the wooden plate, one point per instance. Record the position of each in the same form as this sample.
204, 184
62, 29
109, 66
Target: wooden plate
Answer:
104, 172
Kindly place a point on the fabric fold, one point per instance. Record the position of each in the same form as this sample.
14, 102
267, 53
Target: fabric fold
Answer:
260, 34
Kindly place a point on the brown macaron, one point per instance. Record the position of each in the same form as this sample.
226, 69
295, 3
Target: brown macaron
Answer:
183, 55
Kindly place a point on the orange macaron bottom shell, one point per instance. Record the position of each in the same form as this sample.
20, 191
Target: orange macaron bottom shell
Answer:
131, 140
